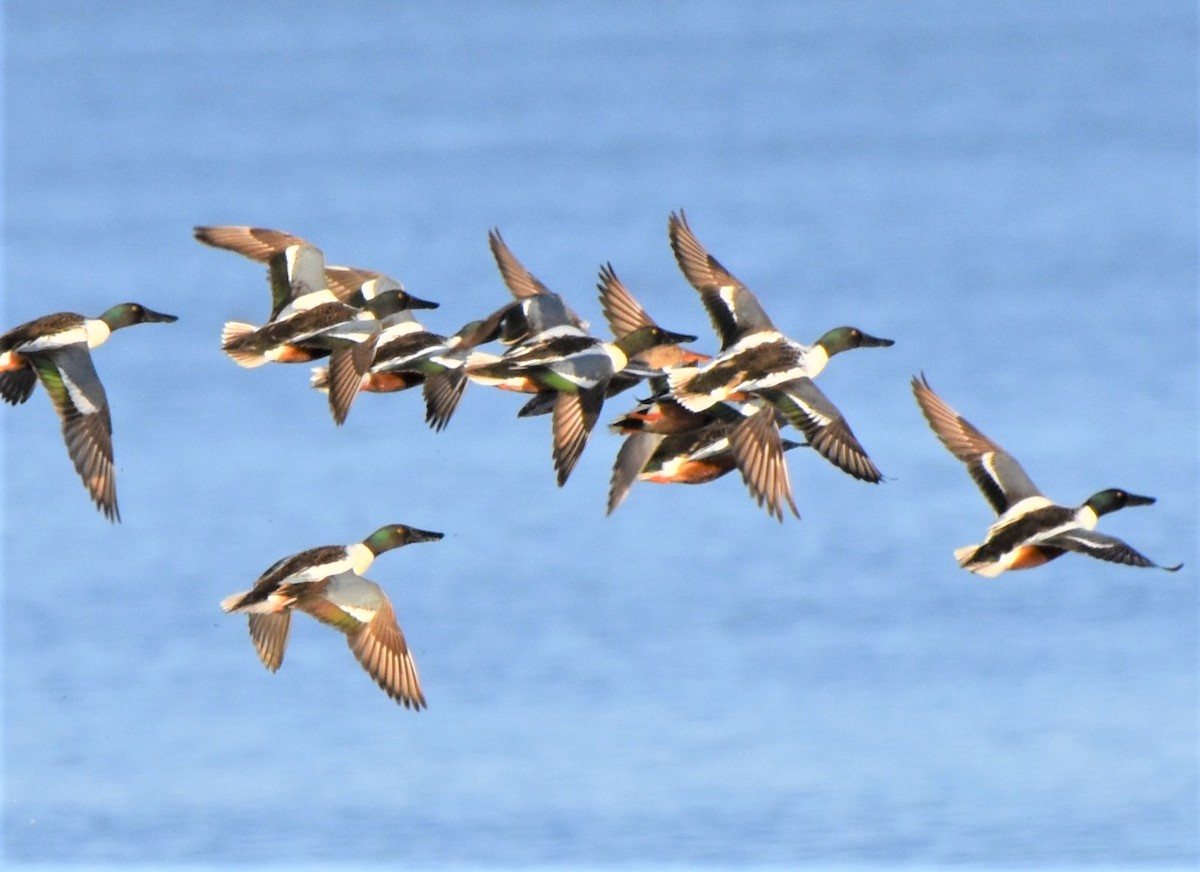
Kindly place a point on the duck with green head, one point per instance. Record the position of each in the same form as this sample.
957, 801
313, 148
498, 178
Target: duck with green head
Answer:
756, 358
1030, 530
56, 350
326, 582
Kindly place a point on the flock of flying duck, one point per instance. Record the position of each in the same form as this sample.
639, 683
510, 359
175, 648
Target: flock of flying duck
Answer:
703, 415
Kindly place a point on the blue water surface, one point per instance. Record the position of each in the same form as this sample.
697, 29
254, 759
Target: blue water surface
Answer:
1006, 189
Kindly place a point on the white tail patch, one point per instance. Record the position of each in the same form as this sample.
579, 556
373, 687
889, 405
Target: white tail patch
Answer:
320, 378
963, 555
233, 331
987, 570
481, 358
230, 602
271, 605
678, 379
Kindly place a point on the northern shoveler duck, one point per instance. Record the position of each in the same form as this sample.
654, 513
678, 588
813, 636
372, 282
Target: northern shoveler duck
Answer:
296, 267
757, 358
1030, 529
419, 357
661, 414
318, 325
749, 443
577, 368
326, 582
56, 349
536, 315
625, 315
523, 324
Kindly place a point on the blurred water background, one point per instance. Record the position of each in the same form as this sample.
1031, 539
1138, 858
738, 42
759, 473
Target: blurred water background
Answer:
1006, 189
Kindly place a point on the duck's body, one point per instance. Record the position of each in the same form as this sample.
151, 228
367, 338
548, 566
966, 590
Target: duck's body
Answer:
326, 582
400, 349
303, 333
406, 358
747, 439
319, 325
662, 414
577, 368
56, 349
1030, 530
528, 338
758, 361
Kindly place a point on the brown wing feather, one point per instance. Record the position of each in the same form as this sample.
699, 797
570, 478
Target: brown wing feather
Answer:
269, 632
519, 280
443, 391
706, 274
700, 268
88, 436
89, 442
635, 451
758, 450
346, 369
256, 243
837, 443
380, 647
996, 472
573, 419
958, 435
622, 312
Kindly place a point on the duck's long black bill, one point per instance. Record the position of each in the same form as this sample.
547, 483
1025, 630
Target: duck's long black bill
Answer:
670, 338
415, 535
418, 303
152, 316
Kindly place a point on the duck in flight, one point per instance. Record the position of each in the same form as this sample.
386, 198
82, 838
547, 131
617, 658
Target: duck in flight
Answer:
757, 358
326, 582
1030, 530
56, 350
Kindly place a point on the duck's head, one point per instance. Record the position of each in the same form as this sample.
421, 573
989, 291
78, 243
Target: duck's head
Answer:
844, 338
396, 300
477, 332
1115, 498
125, 314
397, 536
649, 336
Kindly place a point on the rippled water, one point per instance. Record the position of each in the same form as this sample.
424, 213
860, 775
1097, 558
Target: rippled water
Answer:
1007, 190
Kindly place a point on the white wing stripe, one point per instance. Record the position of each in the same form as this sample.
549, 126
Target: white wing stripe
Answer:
77, 396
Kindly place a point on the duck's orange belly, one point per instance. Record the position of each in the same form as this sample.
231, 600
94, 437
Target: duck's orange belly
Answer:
691, 472
1029, 556
387, 382
11, 360
298, 354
